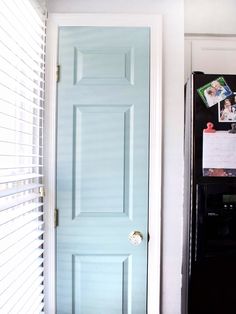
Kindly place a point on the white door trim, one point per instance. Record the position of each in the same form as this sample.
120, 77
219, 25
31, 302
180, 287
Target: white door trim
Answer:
154, 22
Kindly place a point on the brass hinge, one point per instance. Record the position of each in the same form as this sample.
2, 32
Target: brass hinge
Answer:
56, 217
58, 73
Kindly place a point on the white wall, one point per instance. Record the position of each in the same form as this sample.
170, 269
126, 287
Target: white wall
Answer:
173, 116
210, 17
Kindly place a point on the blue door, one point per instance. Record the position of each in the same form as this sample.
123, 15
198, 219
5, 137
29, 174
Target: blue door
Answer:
102, 170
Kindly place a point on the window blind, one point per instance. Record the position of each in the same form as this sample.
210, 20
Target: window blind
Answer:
22, 54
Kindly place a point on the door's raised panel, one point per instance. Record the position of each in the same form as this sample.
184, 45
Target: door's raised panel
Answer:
102, 160
112, 274
103, 66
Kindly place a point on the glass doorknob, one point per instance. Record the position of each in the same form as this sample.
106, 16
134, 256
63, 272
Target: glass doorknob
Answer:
135, 238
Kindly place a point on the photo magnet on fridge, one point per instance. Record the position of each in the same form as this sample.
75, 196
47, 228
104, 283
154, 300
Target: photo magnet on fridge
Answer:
214, 92
227, 109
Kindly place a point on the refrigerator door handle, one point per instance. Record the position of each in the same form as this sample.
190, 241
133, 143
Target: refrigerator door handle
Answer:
196, 228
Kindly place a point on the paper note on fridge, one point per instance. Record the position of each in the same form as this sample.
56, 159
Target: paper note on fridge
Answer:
219, 154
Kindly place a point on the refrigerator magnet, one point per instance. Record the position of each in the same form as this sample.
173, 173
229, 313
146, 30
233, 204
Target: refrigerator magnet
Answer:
214, 92
227, 109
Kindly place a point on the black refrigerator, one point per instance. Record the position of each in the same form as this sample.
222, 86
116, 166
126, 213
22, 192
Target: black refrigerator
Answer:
210, 193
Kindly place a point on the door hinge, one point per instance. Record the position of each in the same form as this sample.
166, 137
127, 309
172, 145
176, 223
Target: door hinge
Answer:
42, 191
56, 217
58, 73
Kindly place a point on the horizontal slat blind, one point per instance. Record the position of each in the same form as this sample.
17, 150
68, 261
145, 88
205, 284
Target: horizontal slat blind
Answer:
22, 55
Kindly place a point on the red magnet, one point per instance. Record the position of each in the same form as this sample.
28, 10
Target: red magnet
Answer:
210, 128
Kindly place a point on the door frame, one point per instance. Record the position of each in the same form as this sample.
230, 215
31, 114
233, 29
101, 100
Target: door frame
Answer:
154, 22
